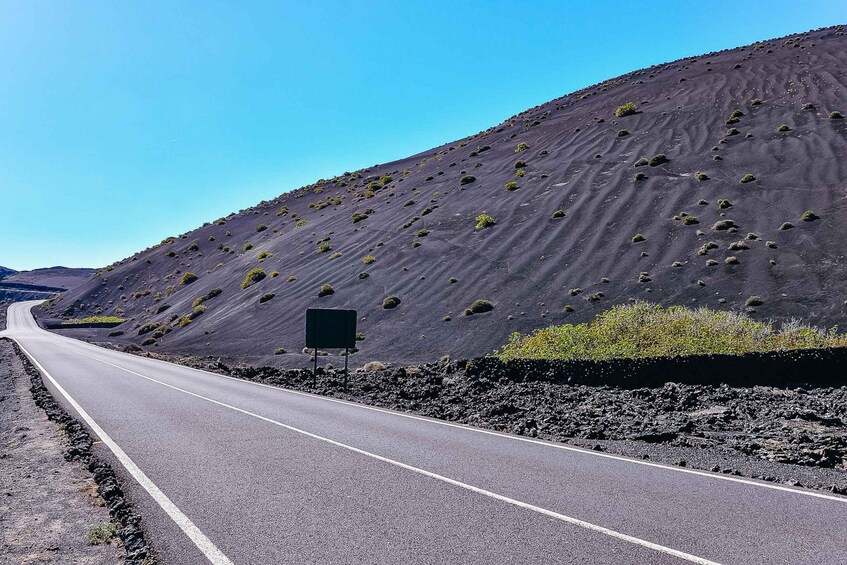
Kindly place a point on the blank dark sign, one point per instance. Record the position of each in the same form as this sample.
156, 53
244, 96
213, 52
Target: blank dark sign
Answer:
332, 329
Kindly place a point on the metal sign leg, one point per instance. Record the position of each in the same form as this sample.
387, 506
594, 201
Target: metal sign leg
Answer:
346, 356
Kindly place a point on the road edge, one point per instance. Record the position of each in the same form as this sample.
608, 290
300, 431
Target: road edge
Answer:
80, 442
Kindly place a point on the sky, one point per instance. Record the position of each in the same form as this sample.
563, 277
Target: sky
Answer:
122, 123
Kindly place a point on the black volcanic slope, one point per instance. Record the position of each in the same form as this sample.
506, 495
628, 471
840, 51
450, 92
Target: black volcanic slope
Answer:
568, 224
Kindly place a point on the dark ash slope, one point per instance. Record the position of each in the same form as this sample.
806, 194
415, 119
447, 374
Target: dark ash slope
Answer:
579, 162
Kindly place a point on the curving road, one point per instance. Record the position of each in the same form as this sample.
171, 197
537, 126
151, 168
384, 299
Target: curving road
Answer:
229, 471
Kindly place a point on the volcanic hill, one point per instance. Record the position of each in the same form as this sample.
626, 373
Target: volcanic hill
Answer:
722, 184
39, 283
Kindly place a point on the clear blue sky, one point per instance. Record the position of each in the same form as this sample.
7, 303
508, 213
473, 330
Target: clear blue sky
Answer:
124, 122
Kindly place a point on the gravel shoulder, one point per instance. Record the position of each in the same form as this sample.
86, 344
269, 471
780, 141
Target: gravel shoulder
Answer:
47, 505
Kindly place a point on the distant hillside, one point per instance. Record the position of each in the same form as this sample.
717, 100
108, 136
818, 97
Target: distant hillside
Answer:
5, 271
586, 214
39, 283
61, 277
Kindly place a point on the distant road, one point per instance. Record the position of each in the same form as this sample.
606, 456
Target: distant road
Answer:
229, 471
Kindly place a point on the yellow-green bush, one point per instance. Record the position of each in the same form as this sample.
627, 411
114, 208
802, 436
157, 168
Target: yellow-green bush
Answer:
643, 329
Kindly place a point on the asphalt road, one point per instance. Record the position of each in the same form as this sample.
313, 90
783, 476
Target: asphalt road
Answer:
225, 470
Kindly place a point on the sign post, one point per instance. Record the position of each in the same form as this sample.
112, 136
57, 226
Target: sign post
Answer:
331, 329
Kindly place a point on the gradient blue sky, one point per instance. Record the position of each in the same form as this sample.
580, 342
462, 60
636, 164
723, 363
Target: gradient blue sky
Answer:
122, 123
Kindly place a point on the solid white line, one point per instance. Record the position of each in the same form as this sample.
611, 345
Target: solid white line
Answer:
549, 444
203, 543
562, 517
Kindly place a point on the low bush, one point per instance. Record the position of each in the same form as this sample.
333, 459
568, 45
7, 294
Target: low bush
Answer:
261, 227
479, 307
264, 255
626, 109
521, 147
747, 178
467, 179
266, 297
423, 232
188, 278
642, 330
208, 296
809, 216
836, 116
324, 247
391, 302
637, 238
368, 259
658, 159
325, 290
511, 185
484, 221
253, 277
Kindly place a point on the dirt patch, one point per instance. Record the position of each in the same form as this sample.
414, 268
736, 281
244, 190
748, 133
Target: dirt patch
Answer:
787, 435
59, 502
47, 505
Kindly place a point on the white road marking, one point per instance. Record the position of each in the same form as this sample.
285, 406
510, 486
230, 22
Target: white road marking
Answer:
203, 543
708, 475
556, 515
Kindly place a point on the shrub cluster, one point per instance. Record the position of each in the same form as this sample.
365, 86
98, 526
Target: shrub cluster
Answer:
641, 330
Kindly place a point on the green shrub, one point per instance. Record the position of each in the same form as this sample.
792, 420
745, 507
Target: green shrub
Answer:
690, 220
642, 330
809, 216
279, 351
521, 147
559, 214
467, 179
274, 274
101, 533
325, 290
391, 302
479, 307
423, 232
511, 185
266, 297
699, 175
836, 116
519, 164
253, 277
247, 246
188, 278
357, 217
657, 159
627, 109
368, 259
335, 255
184, 321
642, 162
724, 203
484, 221
261, 227
193, 247
264, 255
639, 176
747, 178
324, 247
291, 278
637, 238
208, 296
783, 127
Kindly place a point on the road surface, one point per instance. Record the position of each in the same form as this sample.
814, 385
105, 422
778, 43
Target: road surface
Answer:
229, 471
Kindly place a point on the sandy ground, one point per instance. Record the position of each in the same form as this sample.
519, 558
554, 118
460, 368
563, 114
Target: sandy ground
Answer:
47, 504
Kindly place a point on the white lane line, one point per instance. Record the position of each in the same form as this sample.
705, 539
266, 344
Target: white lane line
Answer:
549, 444
468, 428
203, 543
525, 505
